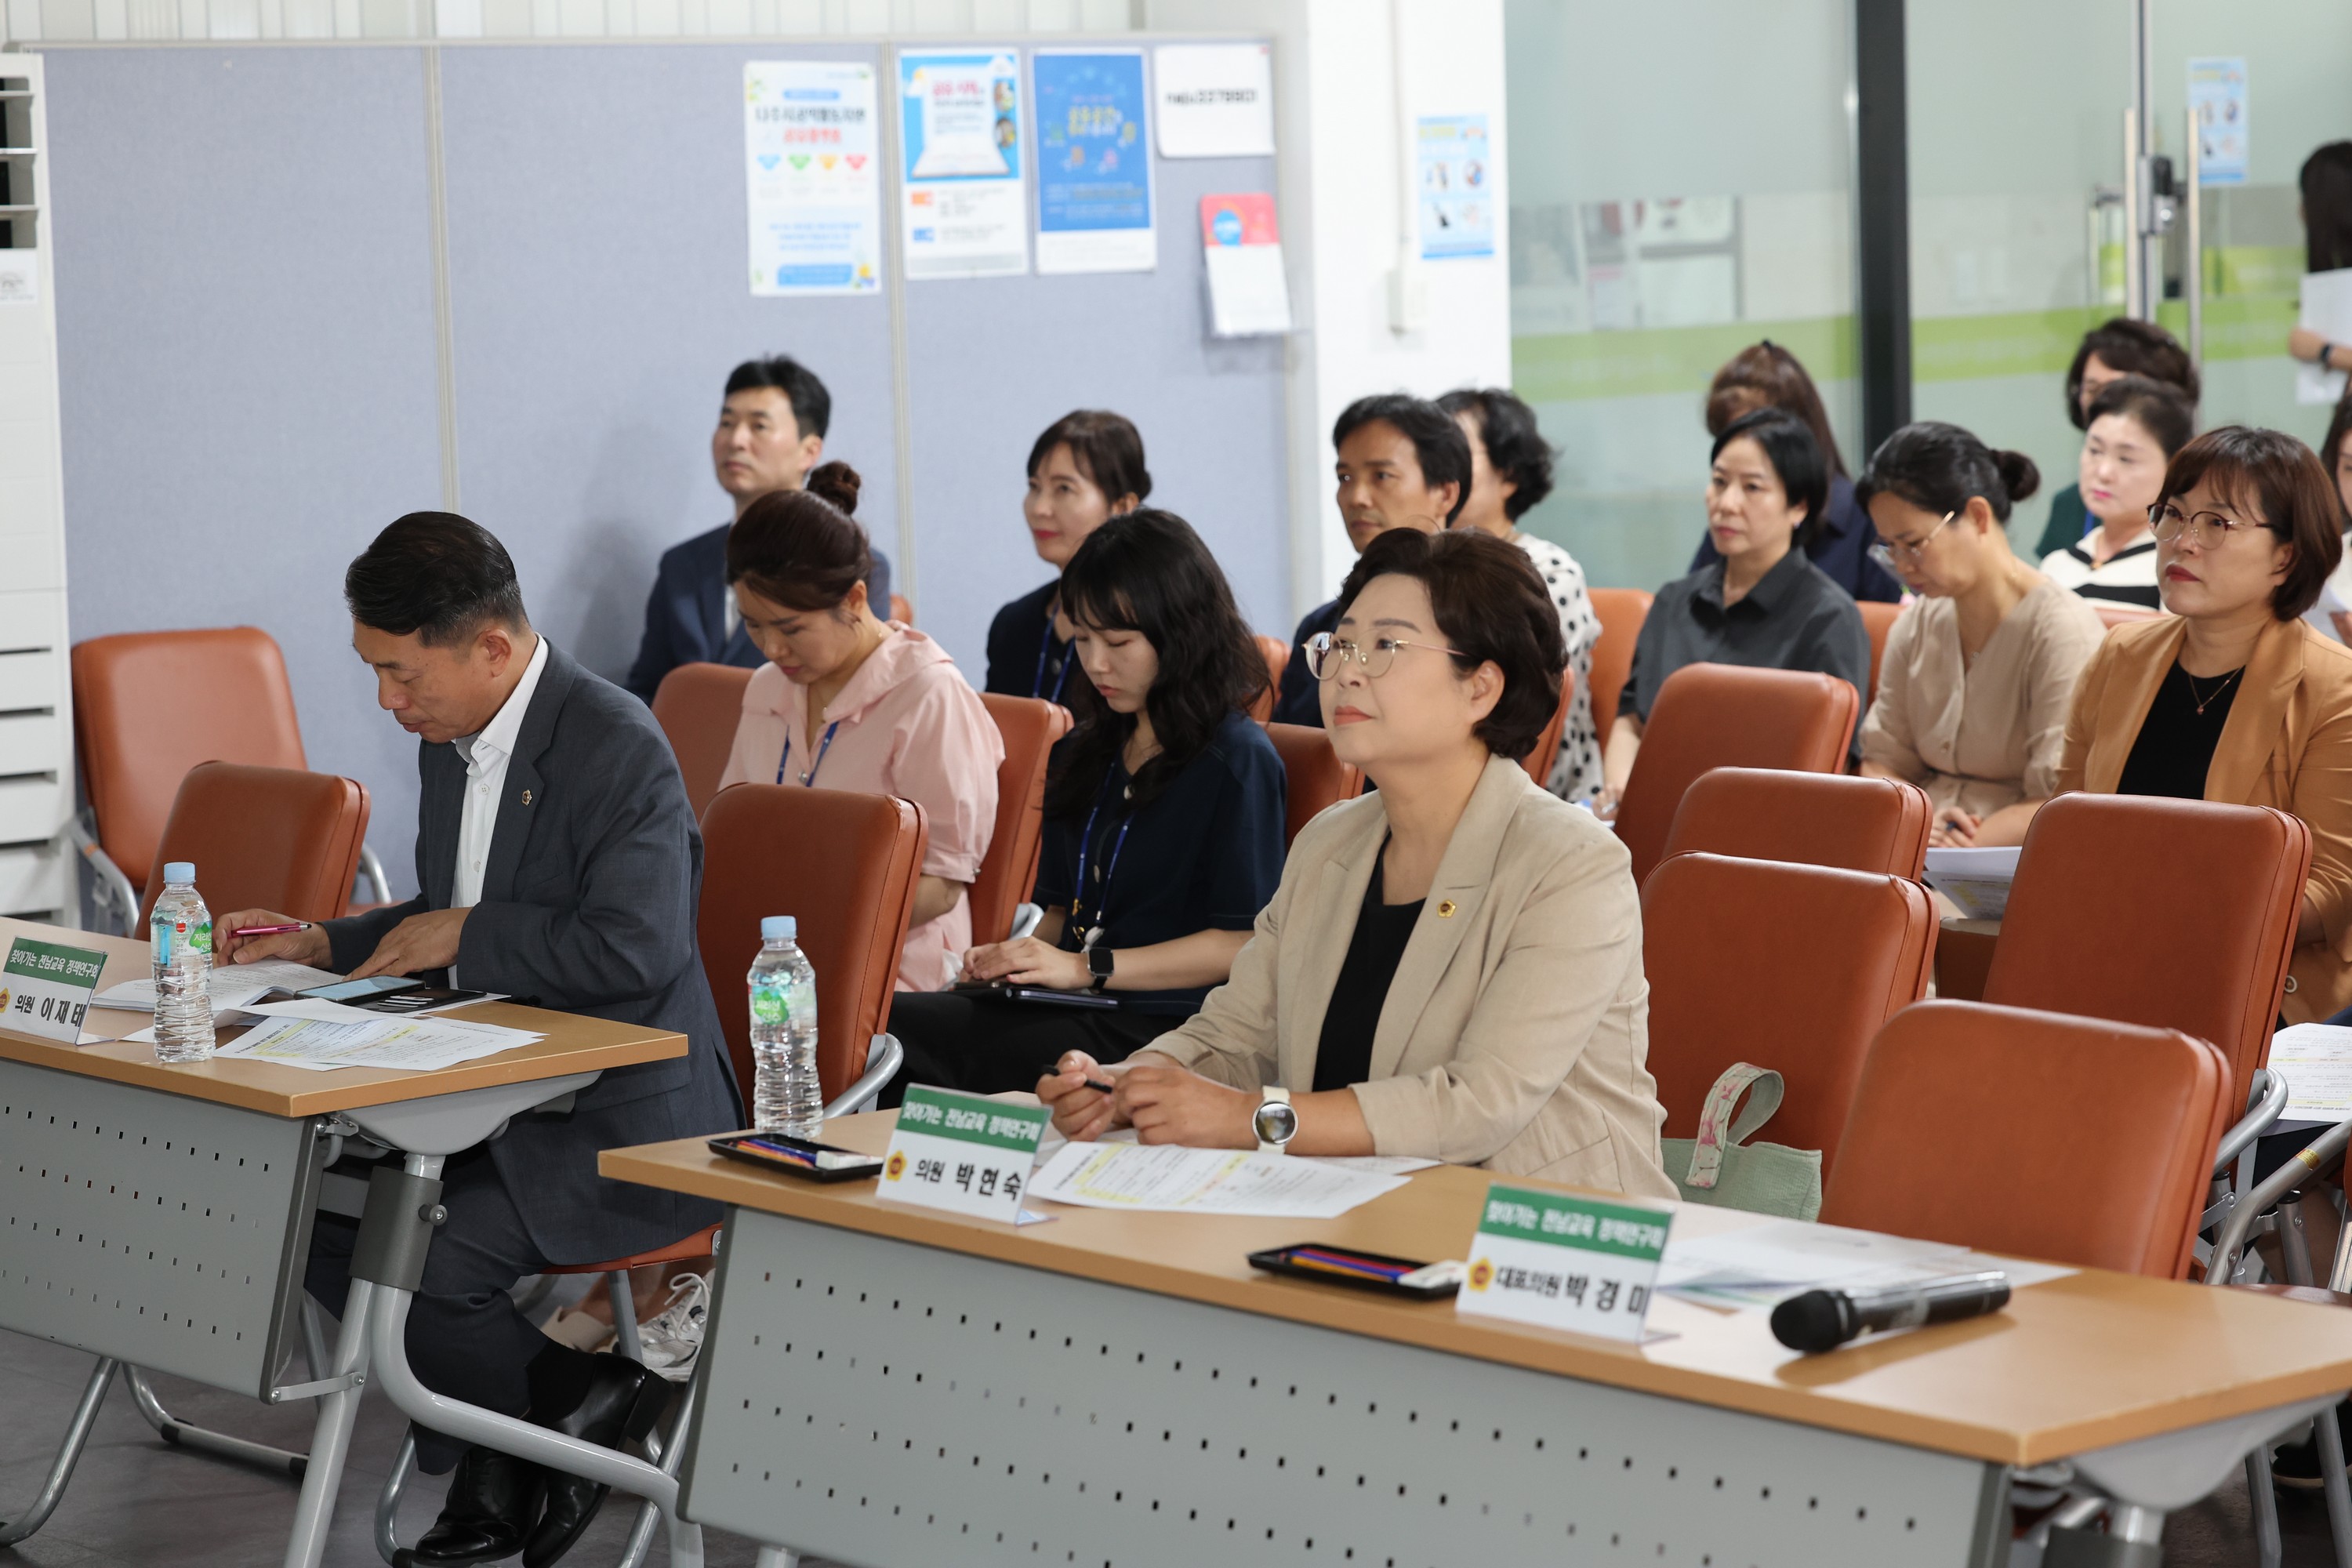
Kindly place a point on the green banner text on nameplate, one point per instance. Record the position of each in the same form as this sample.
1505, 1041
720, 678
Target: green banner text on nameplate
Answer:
1590, 1225
940, 1113
75, 966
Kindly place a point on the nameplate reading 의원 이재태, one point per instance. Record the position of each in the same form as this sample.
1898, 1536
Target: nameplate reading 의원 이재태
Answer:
45, 988
963, 1154
1563, 1262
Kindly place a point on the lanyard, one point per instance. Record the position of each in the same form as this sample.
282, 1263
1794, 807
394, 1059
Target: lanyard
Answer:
1089, 936
808, 778
1044, 651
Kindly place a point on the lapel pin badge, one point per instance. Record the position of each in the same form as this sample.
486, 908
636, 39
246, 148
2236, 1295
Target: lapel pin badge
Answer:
526, 797
1445, 909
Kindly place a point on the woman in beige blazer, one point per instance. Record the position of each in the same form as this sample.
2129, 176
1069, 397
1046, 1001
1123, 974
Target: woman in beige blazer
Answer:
2234, 696
1451, 967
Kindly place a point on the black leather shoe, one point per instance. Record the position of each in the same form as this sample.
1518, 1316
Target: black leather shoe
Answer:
623, 1402
493, 1500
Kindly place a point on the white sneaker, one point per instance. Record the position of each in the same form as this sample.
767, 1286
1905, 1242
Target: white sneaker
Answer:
672, 1339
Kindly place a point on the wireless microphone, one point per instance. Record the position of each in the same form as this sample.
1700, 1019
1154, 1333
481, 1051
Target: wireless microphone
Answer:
1823, 1319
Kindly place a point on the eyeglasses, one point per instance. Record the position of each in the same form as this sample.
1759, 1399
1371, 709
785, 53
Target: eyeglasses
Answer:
2205, 528
1887, 555
1327, 654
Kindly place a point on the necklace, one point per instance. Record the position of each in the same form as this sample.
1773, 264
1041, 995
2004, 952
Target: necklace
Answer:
2205, 702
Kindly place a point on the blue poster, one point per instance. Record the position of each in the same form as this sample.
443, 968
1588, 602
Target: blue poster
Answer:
963, 204
1457, 207
1094, 163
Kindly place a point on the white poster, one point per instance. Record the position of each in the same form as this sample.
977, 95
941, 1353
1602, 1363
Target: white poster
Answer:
813, 177
963, 195
1215, 100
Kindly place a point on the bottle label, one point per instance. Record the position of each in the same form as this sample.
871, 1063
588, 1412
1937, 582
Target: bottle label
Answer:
199, 936
767, 1003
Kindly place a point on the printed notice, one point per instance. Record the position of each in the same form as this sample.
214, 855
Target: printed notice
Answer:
1249, 294
963, 201
1094, 163
815, 177
1456, 175
1168, 1177
1215, 100
962, 1152
1559, 1261
2217, 106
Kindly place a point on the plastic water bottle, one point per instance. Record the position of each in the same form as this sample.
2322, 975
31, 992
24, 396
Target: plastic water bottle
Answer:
785, 1097
181, 933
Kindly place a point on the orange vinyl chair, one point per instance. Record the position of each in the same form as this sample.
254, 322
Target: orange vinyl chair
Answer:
1812, 820
1621, 612
1277, 660
2233, 874
1007, 872
698, 706
1315, 777
1794, 968
265, 838
2076, 1141
1878, 619
1729, 716
901, 610
1545, 752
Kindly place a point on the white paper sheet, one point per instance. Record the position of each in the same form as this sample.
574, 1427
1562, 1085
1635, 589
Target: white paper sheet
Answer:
233, 984
1975, 879
1764, 1264
1054, 1144
409, 1045
2315, 1060
1165, 1177
2326, 310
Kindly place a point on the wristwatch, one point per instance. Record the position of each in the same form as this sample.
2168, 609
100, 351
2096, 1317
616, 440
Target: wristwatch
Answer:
1099, 964
1276, 1121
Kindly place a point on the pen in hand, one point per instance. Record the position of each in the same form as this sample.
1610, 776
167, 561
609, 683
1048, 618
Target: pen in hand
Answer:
271, 931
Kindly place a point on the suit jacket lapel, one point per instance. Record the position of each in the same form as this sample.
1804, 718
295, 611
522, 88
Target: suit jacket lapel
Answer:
2249, 737
2123, 709
526, 792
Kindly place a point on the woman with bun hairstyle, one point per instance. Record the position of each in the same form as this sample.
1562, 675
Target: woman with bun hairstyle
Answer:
848, 701
2114, 348
2136, 424
2234, 697
1980, 669
1087, 468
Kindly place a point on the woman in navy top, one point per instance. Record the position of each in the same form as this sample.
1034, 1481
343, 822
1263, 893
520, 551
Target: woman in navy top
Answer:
1163, 834
1087, 468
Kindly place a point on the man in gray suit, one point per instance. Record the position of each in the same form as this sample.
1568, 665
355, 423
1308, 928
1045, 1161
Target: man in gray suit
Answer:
561, 864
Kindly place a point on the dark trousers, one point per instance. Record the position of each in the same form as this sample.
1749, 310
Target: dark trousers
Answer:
465, 1340
986, 1044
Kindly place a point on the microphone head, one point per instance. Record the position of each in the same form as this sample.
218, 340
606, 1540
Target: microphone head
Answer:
1812, 1323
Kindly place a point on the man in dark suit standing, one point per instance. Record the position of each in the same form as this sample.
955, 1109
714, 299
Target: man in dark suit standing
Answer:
770, 433
561, 863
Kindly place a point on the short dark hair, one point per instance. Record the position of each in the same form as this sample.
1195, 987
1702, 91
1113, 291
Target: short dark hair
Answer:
437, 574
1764, 375
2158, 407
1438, 443
812, 404
2281, 478
1787, 444
2135, 348
1491, 605
1106, 448
1514, 447
801, 548
2331, 448
2325, 183
1940, 468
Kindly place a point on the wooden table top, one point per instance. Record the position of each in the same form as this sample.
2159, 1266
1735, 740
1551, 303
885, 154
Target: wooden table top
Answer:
2077, 1364
572, 1044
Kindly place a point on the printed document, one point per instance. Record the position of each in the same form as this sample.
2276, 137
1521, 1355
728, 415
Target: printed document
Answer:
409, 1045
1166, 1177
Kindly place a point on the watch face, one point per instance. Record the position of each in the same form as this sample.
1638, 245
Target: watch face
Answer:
1276, 1122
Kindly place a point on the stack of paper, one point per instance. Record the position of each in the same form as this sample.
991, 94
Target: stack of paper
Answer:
234, 985
409, 1045
1167, 1177
1975, 879
1763, 1264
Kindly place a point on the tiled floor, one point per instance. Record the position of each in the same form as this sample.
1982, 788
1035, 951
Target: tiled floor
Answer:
136, 1502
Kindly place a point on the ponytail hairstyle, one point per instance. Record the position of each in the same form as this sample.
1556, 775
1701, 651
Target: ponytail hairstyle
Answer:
1939, 467
1147, 572
800, 548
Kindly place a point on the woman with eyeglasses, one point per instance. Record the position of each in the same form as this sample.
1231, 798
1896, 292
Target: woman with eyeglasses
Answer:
1452, 968
1163, 826
1980, 669
2134, 427
2234, 696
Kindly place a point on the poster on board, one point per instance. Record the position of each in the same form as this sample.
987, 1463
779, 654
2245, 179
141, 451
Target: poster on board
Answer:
2217, 105
1094, 162
813, 177
963, 200
1456, 179
1214, 101
1249, 295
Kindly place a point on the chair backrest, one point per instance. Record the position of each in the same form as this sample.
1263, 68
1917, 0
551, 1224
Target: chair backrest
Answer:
1009, 870
1314, 776
1621, 612
901, 610
1878, 619
2109, 887
2112, 614
149, 705
1813, 819
698, 707
265, 838
2071, 1140
1729, 716
1545, 752
1277, 660
1789, 967
845, 865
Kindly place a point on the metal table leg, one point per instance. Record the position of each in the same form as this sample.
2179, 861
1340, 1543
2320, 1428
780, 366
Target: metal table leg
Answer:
331, 1436
204, 1439
85, 1416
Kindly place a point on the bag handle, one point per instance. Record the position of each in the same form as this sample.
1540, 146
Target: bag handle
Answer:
1708, 1147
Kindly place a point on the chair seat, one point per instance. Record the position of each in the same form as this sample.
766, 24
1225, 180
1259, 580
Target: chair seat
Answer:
702, 1243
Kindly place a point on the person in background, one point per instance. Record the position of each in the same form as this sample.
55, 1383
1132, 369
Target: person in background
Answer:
2134, 426
1451, 967
2333, 613
2114, 348
1087, 468
1402, 463
2234, 697
1510, 471
849, 701
1763, 602
770, 433
1163, 834
1766, 375
1980, 669
2325, 183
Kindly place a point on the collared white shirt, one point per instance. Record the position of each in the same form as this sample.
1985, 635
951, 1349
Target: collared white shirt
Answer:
487, 753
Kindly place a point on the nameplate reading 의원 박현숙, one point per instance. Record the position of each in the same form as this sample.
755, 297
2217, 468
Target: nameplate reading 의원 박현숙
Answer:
45, 989
962, 1153
1563, 1262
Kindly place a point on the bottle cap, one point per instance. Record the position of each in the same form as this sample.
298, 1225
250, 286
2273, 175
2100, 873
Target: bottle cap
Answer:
179, 870
779, 928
